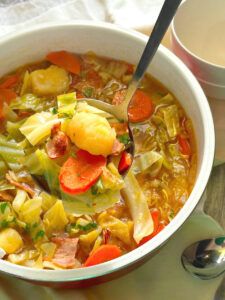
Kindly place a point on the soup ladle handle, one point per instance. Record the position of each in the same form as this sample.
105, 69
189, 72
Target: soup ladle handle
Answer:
165, 17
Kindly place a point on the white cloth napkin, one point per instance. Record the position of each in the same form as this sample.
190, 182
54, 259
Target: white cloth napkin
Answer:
19, 14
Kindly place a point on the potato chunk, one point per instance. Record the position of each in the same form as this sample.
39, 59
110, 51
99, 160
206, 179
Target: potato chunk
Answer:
92, 133
50, 81
10, 240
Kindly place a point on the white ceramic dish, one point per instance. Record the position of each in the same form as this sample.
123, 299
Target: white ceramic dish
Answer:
112, 41
198, 39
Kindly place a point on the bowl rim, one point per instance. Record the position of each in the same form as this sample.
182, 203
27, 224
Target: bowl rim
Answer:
199, 187
189, 52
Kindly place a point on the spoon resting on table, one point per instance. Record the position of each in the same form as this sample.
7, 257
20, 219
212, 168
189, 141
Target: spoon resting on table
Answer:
205, 258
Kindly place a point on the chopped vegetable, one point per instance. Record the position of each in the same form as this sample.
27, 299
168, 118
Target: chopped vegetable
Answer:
10, 240
55, 218
11, 153
78, 174
6, 96
157, 227
103, 254
87, 203
184, 145
30, 210
125, 138
50, 81
18, 201
141, 107
171, 118
9, 82
118, 228
38, 127
50, 170
82, 106
150, 162
65, 60
66, 104
92, 133
125, 162
137, 203
111, 179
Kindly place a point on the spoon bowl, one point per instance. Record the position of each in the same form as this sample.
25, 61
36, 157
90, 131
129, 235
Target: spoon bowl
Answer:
205, 258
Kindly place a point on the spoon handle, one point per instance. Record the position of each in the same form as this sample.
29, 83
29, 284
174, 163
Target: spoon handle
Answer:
164, 19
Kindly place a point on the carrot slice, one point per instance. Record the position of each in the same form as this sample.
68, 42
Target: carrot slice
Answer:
141, 107
6, 95
102, 254
125, 162
9, 82
184, 145
65, 60
78, 174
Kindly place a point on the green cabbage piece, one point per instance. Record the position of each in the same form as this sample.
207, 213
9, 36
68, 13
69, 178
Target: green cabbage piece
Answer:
50, 170
31, 102
82, 106
88, 203
138, 206
171, 118
150, 162
10, 153
38, 126
3, 169
67, 104
13, 129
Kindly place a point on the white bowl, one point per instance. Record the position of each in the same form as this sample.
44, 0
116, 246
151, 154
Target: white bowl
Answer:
113, 41
198, 38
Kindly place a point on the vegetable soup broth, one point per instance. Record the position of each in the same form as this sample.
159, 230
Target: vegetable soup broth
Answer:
64, 202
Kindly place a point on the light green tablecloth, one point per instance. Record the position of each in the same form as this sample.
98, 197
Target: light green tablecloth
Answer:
161, 278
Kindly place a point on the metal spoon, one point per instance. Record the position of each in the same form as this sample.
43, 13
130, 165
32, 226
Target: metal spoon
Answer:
164, 19
205, 258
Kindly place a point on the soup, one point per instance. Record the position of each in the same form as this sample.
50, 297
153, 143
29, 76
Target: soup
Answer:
70, 195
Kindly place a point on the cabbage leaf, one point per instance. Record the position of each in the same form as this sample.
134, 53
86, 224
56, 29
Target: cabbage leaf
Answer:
38, 126
171, 118
87, 203
150, 162
137, 203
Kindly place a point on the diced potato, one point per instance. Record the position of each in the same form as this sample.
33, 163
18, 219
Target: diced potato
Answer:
92, 133
55, 218
50, 81
118, 228
10, 240
30, 211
